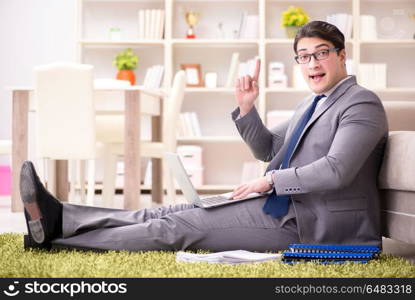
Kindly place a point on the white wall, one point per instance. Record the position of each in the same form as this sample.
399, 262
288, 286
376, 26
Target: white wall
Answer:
32, 32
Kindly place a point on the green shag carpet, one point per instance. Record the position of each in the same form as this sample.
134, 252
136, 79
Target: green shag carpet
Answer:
17, 262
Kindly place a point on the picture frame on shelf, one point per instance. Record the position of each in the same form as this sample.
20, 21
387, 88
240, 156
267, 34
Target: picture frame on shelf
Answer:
193, 75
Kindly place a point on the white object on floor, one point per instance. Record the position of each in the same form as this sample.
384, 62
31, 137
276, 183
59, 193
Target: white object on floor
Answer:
230, 257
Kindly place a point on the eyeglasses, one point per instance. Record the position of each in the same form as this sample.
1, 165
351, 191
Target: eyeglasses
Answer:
318, 55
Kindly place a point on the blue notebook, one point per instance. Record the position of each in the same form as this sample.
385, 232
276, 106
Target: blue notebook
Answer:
330, 253
311, 248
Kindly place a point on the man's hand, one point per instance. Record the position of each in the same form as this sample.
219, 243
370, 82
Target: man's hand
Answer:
257, 186
246, 90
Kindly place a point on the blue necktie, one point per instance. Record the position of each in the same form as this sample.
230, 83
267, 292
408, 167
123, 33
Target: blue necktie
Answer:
277, 205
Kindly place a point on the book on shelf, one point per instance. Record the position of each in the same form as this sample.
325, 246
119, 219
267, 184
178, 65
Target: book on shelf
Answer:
249, 26
141, 24
154, 76
368, 28
195, 124
242, 23
189, 125
233, 70
160, 31
151, 23
188, 122
251, 29
343, 22
147, 22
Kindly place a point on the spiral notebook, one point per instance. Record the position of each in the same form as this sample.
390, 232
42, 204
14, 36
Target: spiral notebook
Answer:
330, 253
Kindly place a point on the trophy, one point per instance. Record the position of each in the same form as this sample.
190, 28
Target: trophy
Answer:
192, 18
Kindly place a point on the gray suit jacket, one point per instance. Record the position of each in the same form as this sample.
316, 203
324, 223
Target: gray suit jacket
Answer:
332, 177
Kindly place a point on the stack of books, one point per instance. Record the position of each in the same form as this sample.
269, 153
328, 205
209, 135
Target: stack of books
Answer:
330, 253
368, 27
150, 23
343, 22
189, 125
249, 26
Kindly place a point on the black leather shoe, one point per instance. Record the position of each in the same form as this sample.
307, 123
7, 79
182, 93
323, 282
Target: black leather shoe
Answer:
43, 212
29, 243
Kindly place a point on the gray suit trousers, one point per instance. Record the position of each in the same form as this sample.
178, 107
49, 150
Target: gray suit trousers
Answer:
240, 225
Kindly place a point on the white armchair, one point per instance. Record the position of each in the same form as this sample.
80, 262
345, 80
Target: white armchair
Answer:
65, 120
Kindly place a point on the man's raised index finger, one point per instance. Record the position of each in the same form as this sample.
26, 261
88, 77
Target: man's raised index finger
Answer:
257, 69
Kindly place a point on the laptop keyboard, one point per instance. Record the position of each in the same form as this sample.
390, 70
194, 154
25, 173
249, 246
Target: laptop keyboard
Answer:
214, 200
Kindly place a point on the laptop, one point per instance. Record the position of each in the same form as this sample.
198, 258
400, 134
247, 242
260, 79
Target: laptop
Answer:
189, 192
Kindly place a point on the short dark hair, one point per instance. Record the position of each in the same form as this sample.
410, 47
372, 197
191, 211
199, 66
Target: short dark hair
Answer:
322, 30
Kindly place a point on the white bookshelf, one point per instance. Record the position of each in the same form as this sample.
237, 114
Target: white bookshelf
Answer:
223, 149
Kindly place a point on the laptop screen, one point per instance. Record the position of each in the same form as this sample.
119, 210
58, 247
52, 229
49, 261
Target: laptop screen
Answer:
180, 174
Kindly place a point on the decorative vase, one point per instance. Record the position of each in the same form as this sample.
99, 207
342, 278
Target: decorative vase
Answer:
291, 31
126, 75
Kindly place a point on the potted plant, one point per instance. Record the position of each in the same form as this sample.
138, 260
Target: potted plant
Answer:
126, 61
292, 19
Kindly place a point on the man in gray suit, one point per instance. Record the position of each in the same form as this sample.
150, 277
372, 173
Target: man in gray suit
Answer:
323, 169
327, 175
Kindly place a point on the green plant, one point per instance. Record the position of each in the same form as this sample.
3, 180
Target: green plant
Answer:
294, 16
126, 60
